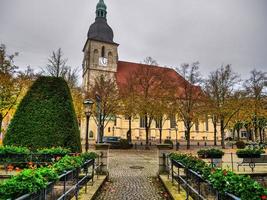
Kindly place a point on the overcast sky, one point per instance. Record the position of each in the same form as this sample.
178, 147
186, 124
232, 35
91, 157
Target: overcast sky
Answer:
213, 32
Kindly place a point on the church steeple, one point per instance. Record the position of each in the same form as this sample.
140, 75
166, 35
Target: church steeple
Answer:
101, 9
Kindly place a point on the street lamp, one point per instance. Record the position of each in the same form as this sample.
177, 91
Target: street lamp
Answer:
176, 132
113, 130
88, 103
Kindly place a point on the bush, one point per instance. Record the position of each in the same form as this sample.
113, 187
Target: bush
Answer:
45, 118
54, 151
88, 156
28, 181
210, 153
223, 180
33, 180
249, 152
4, 150
240, 144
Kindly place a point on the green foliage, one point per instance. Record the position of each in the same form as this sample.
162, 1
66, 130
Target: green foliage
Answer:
210, 153
68, 163
239, 185
54, 151
28, 181
33, 180
48, 173
13, 150
249, 152
45, 118
88, 155
240, 144
223, 180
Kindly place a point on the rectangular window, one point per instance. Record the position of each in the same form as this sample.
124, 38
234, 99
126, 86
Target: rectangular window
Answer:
142, 122
158, 123
207, 123
172, 121
243, 134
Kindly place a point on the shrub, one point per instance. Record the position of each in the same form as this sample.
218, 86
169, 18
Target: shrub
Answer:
249, 152
28, 181
13, 150
88, 155
68, 163
240, 144
210, 153
45, 118
33, 180
223, 180
54, 151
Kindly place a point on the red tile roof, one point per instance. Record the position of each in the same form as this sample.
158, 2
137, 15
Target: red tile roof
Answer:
126, 69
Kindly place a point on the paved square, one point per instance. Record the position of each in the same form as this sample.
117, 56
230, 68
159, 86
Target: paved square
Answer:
132, 176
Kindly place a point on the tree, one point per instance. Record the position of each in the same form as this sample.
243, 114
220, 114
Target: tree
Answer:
255, 87
224, 102
106, 95
128, 104
189, 98
150, 86
9, 86
45, 117
56, 66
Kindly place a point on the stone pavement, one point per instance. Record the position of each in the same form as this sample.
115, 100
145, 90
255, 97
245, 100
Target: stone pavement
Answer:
132, 176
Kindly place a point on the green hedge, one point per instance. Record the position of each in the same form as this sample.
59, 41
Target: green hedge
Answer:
45, 118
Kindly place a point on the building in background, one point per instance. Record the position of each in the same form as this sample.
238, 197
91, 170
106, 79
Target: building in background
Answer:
101, 57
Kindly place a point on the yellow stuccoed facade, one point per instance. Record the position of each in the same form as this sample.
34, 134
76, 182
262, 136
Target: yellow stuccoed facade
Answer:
119, 128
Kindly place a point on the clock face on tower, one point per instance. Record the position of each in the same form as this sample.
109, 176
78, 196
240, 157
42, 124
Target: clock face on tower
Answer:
103, 61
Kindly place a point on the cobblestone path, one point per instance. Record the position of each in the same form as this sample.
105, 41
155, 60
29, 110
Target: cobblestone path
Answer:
132, 176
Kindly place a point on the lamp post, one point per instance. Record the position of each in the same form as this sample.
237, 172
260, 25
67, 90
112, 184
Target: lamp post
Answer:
98, 106
113, 130
88, 111
176, 140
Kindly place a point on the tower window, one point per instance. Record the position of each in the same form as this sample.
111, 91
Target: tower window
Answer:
103, 52
95, 58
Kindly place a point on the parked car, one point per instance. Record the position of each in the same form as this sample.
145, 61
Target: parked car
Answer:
113, 141
117, 142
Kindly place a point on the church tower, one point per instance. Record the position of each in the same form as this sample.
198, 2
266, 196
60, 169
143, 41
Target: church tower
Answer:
100, 51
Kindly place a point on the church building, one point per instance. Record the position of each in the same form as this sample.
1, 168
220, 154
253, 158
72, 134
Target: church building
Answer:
101, 57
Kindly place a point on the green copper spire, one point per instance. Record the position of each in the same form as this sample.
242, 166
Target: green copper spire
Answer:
101, 9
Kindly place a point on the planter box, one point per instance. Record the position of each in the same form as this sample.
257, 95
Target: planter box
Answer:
214, 156
248, 155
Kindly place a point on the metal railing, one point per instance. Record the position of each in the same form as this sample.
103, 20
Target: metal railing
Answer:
68, 185
193, 183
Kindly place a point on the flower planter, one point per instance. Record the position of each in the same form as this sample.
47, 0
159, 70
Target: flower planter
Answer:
248, 155
214, 156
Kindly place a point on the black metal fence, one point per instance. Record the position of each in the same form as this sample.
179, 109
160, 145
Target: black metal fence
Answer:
193, 184
68, 185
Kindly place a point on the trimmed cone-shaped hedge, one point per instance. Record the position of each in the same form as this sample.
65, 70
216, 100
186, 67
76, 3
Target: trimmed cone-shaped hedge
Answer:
45, 117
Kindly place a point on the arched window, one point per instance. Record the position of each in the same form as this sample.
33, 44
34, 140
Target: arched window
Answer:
110, 58
95, 58
103, 52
